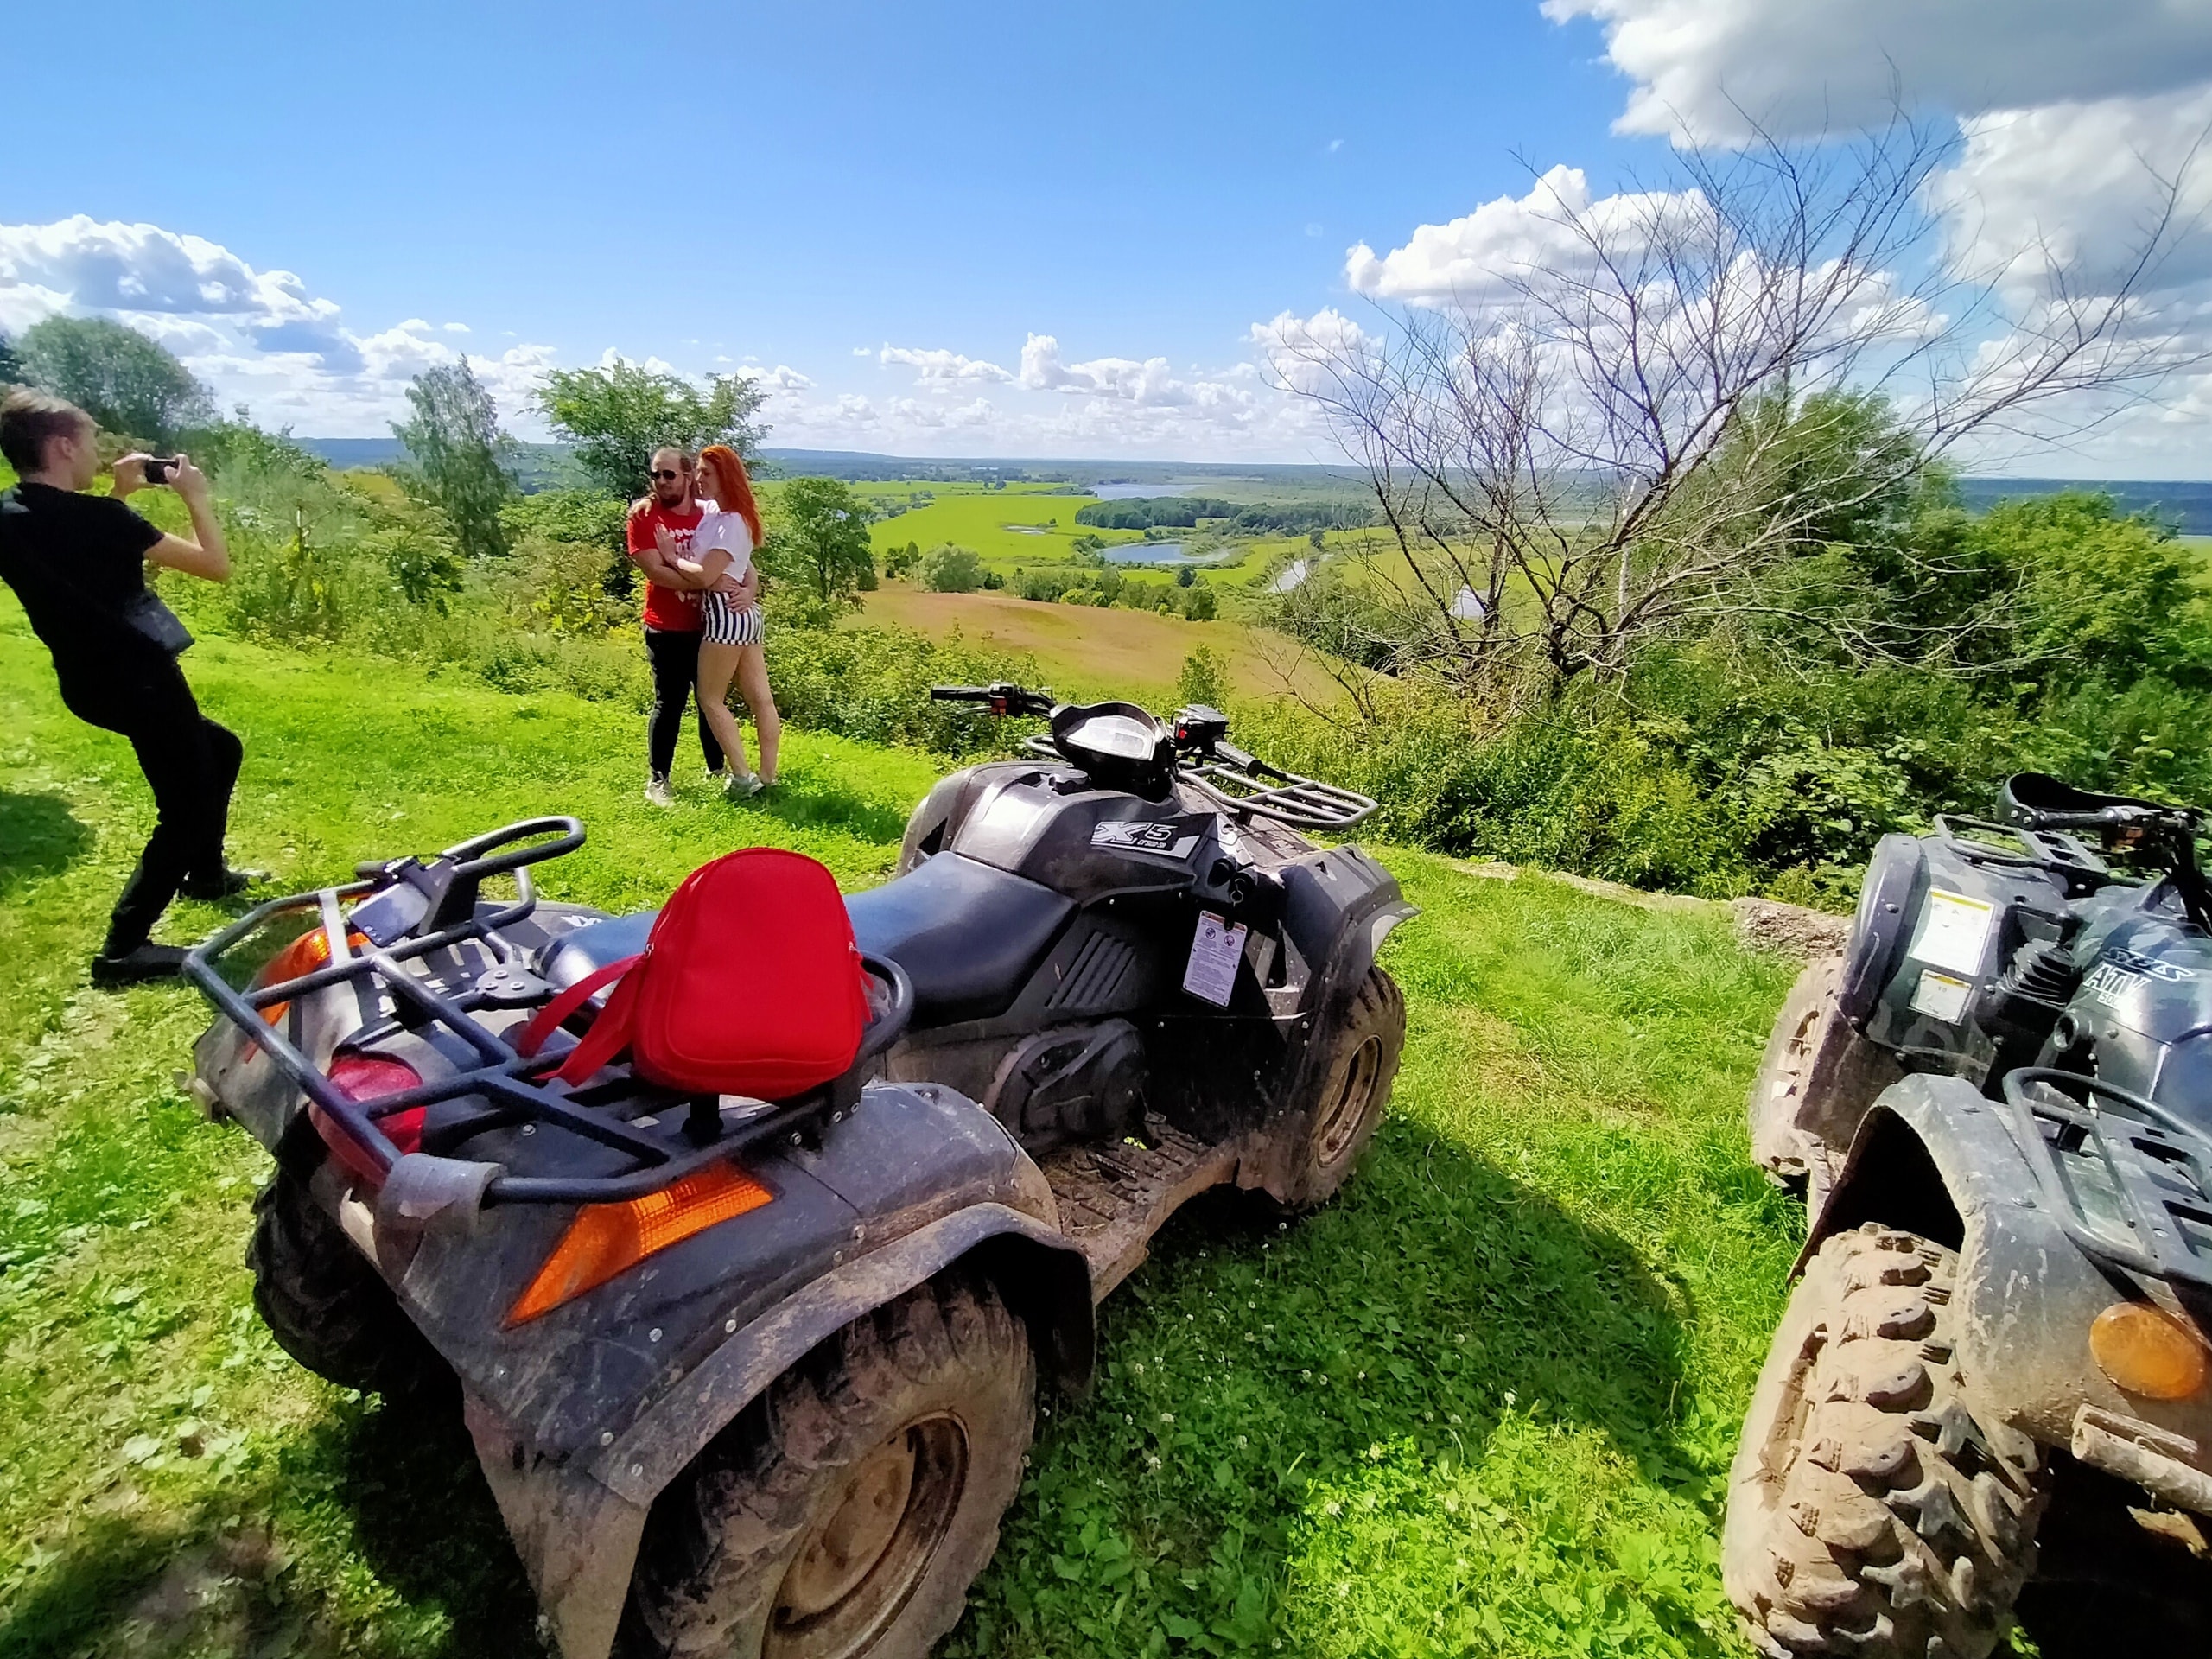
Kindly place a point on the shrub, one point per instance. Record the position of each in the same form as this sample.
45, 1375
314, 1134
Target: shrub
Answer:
1204, 679
1200, 604
950, 568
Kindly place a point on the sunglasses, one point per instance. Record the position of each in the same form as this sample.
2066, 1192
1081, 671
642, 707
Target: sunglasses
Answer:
662, 474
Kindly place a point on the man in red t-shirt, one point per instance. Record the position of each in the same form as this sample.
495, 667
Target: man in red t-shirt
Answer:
673, 626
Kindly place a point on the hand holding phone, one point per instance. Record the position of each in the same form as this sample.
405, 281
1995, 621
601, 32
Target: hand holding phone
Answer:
157, 470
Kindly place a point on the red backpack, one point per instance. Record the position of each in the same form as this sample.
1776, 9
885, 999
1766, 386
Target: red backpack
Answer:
749, 984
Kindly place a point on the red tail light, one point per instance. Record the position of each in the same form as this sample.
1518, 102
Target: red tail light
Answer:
366, 1078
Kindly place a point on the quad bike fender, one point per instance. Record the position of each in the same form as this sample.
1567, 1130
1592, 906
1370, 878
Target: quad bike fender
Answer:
1339, 906
1934, 1156
577, 1522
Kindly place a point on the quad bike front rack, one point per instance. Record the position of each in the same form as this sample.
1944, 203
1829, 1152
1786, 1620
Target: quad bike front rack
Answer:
517, 1088
2156, 1165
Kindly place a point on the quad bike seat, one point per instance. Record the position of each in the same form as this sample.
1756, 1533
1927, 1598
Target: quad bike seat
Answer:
968, 934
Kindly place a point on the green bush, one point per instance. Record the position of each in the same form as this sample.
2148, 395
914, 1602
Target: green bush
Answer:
951, 569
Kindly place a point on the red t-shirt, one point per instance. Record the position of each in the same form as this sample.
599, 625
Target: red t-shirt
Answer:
674, 609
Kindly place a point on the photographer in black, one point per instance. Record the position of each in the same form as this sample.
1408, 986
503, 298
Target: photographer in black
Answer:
78, 563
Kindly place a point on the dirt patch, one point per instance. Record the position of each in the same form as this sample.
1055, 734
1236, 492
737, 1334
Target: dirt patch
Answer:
1788, 930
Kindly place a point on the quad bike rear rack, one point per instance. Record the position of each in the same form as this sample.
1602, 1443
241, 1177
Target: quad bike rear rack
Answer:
519, 1088
2158, 1165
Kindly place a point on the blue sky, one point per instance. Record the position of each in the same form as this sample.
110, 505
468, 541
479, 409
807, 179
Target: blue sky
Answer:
781, 187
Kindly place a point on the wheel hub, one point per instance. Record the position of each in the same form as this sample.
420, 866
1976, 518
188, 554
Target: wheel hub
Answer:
1339, 1119
864, 1557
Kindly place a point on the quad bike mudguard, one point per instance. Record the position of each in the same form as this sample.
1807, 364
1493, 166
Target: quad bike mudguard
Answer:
582, 1416
1934, 1156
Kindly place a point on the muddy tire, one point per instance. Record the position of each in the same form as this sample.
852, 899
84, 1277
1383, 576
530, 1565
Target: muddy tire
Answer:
1361, 1063
1868, 1513
324, 1304
1817, 1080
846, 1512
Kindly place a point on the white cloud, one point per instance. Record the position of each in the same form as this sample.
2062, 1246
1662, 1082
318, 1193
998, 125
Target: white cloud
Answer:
942, 367
1711, 68
1475, 260
256, 337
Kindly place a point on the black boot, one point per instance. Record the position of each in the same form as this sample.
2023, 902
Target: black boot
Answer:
135, 967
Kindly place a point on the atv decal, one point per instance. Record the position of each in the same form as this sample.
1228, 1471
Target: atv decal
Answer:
1215, 949
2109, 983
1940, 996
2172, 972
1954, 931
1142, 835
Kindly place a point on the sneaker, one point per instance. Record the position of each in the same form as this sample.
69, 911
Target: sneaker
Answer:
135, 967
227, 885
658, 793
742, 785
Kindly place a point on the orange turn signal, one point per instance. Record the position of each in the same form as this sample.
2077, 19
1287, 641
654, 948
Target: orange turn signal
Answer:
302, 956
2148, 1351
607, 1239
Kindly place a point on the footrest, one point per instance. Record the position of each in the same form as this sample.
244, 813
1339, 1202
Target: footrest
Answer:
1113, 1198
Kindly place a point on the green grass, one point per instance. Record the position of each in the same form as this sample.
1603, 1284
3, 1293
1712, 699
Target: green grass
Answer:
1483, 1404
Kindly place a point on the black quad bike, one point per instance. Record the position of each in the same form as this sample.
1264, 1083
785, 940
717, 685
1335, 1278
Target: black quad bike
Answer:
756, 1377
1999, 1099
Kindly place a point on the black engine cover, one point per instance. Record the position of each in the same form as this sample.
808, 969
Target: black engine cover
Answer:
1085, 1083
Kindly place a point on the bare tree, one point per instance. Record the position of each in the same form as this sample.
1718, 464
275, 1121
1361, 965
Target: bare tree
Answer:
1622, 435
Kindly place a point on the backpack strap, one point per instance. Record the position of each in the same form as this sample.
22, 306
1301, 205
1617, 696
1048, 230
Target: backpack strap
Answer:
555, 1012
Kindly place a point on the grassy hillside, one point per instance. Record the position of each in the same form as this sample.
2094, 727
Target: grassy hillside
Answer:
1088, 653
1482, 1405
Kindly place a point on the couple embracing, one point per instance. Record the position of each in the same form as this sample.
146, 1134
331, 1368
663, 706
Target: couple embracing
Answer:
694, 536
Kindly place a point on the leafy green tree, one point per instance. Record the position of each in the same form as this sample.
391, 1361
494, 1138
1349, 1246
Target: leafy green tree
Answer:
820, 535
1204, 679
461, 456
126, 382
578, 518
11, 371
618, 416
951, 569
1199, 603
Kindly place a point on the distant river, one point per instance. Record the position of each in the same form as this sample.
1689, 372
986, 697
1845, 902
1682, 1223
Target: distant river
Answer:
1134, 491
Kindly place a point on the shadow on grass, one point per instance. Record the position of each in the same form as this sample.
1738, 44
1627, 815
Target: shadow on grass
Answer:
39, 836
394, 1489
1255, 1369
1451, 1285
811, 802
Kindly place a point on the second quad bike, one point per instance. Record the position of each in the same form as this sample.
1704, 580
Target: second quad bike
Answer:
755, 1376
1998, 1098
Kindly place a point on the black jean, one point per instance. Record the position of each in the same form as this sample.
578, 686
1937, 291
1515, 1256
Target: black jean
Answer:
675, 658
191, 765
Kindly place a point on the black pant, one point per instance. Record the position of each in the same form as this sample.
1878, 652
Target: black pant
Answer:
675, 658
191, 765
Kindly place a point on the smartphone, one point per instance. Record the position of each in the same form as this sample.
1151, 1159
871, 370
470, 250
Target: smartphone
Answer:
157, 472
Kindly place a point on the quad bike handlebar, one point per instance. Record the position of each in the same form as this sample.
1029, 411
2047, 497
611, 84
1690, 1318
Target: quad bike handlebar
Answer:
1233, 779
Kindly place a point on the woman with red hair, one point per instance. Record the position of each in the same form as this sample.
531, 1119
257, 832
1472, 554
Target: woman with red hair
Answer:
722, 551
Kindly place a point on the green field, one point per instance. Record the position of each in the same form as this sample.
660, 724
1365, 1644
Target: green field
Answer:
1482, 1405
1023, 526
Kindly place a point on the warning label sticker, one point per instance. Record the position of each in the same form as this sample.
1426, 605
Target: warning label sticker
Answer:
1954, 931
1941, 997
1215, 950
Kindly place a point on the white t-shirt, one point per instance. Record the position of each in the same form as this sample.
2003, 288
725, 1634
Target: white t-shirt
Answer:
727, 532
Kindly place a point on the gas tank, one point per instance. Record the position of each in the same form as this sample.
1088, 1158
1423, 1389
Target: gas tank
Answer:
1052, 825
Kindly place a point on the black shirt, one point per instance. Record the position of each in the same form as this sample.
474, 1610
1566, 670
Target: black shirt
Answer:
75, 561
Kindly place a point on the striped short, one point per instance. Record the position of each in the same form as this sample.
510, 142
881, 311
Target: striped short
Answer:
728, 625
